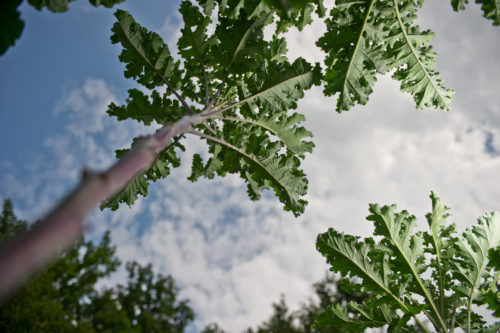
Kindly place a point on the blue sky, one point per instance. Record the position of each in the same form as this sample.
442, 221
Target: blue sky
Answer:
234, 257
54, 52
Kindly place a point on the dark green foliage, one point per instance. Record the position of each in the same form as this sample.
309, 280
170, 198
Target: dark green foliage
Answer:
212, 328
105, 3
60, 6
459, 4
64, 298
491, 292
9, 224
146, 56
490, 8
352, 63
55, 6
289, 13
392, 269
147, 109
11, 25
150, 301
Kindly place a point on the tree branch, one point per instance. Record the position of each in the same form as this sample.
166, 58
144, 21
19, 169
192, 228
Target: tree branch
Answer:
34, 249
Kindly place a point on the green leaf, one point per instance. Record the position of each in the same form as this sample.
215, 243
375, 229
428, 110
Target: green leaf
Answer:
240, 45
489, 329
60, 6
459, 4
406, 247
491, 10
105, 3
353, 43
366, 37
146, 56
278, 86
146, 109
55, 6
207, 5
244, 144
257, 160
194, 47
11, 25
140, 183
437, 222
472, 251
396, 228
296, 13
471, 263
286, 13
490, 291
354, 316
395, 271
284, 127
410, 53
440, 239
350, 257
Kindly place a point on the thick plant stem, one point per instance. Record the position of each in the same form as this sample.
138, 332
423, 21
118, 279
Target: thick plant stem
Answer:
33, 250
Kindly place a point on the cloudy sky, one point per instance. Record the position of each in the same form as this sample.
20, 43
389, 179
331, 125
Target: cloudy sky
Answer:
233, 257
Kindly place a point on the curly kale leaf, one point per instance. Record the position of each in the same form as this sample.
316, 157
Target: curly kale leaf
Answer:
287, 13
147, 57
145, 109
471, 265
367, 37
244, 146
354, 44
395, 271
410, 53
11, 25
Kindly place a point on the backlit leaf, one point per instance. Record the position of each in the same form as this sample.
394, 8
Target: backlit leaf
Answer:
146, 56
366, 37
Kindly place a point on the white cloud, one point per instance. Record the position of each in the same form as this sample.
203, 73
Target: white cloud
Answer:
88, 139
171, 32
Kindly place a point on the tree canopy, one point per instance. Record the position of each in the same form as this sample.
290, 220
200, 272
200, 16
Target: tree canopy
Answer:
66, 298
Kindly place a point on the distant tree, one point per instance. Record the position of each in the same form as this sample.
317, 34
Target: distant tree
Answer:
64, 297
328, 290
282, 320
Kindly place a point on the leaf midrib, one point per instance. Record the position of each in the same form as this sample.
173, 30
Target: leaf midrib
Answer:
153, 67
419, 281
373, 278
414, 52
360, 36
